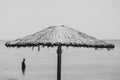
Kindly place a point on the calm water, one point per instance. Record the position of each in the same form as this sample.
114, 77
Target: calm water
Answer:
77, 63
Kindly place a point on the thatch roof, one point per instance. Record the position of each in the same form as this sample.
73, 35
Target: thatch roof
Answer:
59, 35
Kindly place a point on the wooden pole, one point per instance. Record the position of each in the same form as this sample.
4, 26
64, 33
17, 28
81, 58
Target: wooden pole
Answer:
59, 52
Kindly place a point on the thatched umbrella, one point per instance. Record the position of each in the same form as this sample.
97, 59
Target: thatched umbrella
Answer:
59, 36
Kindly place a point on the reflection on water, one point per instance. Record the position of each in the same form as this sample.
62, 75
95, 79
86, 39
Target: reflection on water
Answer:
77, 63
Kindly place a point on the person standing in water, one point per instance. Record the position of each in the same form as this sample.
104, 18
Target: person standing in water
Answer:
23, 66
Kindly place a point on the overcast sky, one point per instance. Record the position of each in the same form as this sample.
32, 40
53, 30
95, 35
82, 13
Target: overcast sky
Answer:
98, 18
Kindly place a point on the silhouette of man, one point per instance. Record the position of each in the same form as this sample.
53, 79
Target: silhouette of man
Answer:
23, 66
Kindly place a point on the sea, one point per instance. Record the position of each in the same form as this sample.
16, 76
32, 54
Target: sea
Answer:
77, 63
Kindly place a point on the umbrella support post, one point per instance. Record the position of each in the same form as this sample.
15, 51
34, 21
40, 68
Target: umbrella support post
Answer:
59, 52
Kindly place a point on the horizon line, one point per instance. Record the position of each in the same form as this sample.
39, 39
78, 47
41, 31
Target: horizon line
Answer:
17, 38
